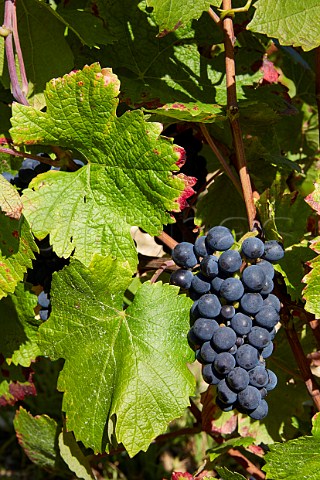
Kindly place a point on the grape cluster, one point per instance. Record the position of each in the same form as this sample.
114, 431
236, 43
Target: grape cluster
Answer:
233, 316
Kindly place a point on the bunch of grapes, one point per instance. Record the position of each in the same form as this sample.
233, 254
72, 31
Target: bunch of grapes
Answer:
234, 315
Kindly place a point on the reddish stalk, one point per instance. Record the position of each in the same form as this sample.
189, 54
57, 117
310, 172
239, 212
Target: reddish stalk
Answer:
12, 151
215, 17
24, 80
300, 357
318, 85
233, 112
167, 240
246, 464
11, 24
221, 159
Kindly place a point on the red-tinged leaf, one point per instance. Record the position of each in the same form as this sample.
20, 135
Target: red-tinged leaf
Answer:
213, 419
16, 383
188, 190
180, 475
313, 199
270, 73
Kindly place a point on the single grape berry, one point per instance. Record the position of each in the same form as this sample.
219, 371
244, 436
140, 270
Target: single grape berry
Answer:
224, 363
260, 412
254, 278
227, 312
252, 247
267, 287
43, 300
225, 394
181, 278
209, 266
230, 261
209, 375
249, 398
258, 377
200, 248
272, 301
223, 338
273, 251
232, 289
267, 317
238, 379
200, 284
251, 303
203, 328
216, 284
219, 238
208, 354
209, 306
267, 268
247, 357
241, 323
259, 337
183, 255
273, 380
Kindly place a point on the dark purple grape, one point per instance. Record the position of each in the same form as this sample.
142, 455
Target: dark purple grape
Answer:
241, 323
44, 314
209, 375
208, 354
209, 266
273, 251
251, 303
225, 407
209, 306
230, 261
200, 284
223, 338
247, 357
267, 268
43, 300
254, 278
266, 352
200, 248
194, 314
272, 383
8, 176
238, 379
258, 377
231, 289
267, 286
259, 337
183, 255
225, 394
252, 247
260, 412
224, 363
181, 278
216, 284
272, 301
249, 398
219, 238
227, 312
193, 340
267, 317
203, 328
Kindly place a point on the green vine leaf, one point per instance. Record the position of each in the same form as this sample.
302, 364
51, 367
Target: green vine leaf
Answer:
128, 178
171, 14
18, 341
292, 23
10, 202
73, 456
38, 437
299, 458
125, 372
16, 252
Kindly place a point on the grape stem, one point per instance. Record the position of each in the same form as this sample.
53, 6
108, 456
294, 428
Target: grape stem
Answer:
220, 157
299, 355
233, 114
318, 84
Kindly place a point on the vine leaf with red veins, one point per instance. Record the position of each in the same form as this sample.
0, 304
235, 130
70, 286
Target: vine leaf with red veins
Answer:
128, 179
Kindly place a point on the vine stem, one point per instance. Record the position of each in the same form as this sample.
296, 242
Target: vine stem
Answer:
233, 112
12, 151
220, 157
300, 357
318, 85
10, 22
